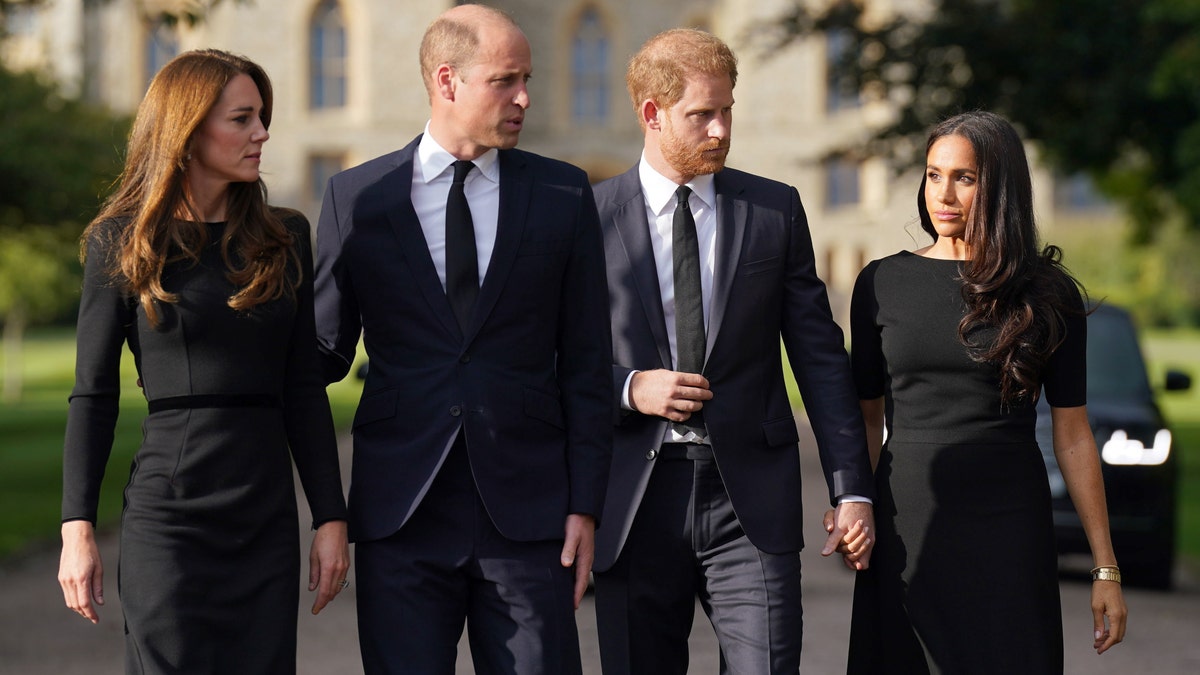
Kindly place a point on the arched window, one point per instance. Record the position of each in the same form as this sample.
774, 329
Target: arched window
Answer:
161, 45
841, 182
840, 90
589, 70
327, 57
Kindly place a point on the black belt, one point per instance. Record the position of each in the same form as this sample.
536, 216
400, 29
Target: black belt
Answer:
685, 451
214, 401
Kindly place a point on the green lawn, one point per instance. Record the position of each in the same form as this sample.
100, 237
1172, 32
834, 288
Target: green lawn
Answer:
31, 434
1180, 349
31, 437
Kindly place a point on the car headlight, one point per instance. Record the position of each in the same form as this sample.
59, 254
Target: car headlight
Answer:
1122, 450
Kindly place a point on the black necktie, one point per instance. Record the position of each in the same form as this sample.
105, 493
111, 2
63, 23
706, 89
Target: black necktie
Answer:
462, 266
689, 303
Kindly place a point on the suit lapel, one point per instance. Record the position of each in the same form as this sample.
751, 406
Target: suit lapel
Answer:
731, 229
516, 189
403, 218
634, 230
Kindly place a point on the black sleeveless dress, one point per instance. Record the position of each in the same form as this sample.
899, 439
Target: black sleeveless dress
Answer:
209, 571
963, 576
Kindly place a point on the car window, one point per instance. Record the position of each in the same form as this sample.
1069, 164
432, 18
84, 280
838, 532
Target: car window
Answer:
1115, 369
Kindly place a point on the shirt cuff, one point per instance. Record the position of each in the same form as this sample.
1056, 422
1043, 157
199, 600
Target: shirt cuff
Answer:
853, 498
625, 402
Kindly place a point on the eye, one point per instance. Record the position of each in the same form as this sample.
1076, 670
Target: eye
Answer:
933, 176
966, 180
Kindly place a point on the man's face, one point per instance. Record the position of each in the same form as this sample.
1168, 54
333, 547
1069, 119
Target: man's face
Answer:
695, 133
490, 94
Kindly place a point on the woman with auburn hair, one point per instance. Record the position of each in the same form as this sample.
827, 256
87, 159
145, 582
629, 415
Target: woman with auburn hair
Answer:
952, 345
211, 288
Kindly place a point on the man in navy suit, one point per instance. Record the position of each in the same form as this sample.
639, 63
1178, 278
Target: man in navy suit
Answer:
708, 268
474, 273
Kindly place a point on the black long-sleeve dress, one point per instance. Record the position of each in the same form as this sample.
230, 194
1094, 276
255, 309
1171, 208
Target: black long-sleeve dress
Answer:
963, 575
209, 568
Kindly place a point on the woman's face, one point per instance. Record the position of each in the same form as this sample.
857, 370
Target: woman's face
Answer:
227, 148
950, 181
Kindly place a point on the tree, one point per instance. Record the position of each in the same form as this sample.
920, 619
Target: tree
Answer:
1108, 89
189, 11
57, 159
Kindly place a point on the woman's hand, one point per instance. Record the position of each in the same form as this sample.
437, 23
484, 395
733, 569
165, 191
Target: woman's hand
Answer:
328, 562
80, 572
1108, 603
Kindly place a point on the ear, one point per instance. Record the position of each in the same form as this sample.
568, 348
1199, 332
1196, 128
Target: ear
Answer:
444, 81
651, 114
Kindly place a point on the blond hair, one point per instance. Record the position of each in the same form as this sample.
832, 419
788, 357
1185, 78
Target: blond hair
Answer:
659, 70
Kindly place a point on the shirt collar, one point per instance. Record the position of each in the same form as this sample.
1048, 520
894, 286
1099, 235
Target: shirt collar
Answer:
434, 160
659, 190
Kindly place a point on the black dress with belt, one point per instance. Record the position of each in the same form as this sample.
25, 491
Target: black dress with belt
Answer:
210, 565
963, 575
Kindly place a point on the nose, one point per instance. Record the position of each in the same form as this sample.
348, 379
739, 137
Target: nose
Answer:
721, 127
260, 134
946, 193
522, 97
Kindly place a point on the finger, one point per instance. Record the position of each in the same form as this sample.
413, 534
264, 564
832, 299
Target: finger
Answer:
314, 571
831, 543
98, 585
691, 380
567, 557
1099, 629
83, 602
327, 589
827, 521
694, 394
581, 583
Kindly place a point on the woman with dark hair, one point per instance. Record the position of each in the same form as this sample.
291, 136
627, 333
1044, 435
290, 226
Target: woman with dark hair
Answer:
211, 288
951, 347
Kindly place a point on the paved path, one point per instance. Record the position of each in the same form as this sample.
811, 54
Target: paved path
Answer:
39, 636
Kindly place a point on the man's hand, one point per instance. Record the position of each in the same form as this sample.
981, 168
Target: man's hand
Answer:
579, 550
667, 393
851, 529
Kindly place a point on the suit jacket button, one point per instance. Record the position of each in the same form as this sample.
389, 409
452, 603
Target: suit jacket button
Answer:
455, 411
652, 453
465, 358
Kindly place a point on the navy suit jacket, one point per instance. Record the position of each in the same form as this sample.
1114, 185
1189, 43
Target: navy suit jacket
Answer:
527, 382
764, 286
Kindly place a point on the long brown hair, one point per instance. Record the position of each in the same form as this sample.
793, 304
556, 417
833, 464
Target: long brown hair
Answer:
1009, 285
151, 193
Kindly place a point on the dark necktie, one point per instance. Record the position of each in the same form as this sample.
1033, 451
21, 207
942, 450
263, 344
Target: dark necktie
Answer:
462, 266
689, 303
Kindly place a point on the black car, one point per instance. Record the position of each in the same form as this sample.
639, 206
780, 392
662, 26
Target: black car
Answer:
1139, 462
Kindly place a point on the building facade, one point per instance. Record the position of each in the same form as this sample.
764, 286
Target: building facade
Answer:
348, 88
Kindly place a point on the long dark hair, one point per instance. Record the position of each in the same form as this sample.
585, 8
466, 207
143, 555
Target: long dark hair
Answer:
152, 192
1009, 285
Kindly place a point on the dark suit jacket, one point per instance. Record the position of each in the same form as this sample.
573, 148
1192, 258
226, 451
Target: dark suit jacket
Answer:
765, 286
528, 382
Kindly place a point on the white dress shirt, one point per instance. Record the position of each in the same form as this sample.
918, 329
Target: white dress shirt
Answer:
658, 193
432, 175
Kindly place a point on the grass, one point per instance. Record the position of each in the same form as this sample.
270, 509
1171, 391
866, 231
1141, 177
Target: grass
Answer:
31, 436
1180, 349
31, 440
